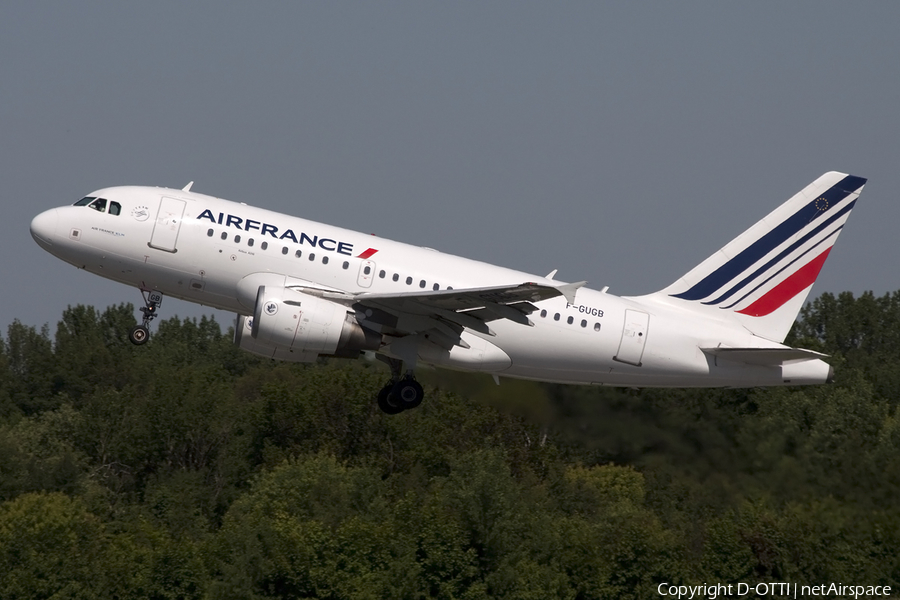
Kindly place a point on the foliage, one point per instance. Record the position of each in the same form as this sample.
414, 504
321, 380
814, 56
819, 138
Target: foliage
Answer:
188, 469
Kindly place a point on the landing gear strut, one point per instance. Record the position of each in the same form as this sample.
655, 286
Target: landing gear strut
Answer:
139, 334
402, 392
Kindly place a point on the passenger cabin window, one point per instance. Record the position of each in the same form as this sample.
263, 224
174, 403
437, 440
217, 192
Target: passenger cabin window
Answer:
210, 232
324, 260
99, 204
396, 277
435, 287
346, 265
224, 235
85, 201
284, 250
264, 245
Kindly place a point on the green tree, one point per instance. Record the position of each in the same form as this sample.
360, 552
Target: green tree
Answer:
91, 348
37, 454
311, 527
144, 561
50, 546
613, 545
32, 366
9, 412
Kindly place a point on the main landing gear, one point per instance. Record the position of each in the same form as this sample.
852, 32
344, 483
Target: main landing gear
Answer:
402, 393
139, 334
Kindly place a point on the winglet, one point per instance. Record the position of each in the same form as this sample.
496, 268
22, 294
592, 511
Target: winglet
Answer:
552, 274
568, 290
187, 188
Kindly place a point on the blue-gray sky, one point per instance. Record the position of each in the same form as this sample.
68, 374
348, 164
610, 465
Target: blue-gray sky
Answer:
621, 143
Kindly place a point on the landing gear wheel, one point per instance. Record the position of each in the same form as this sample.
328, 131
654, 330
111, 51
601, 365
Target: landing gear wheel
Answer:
139, 335
386, 402
408, 393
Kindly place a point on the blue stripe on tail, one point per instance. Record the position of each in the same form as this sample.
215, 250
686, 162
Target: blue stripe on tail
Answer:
782, 254
753, 253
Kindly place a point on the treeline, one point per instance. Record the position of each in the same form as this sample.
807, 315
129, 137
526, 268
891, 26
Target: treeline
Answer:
189, 469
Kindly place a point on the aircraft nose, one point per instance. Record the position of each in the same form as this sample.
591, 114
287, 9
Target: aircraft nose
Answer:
43, 227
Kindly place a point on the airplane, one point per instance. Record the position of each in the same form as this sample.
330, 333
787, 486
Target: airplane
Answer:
303, 289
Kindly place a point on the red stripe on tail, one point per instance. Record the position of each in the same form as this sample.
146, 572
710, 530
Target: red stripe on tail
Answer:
775, 298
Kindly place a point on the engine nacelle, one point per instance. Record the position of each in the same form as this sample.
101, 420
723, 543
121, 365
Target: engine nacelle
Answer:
297, 327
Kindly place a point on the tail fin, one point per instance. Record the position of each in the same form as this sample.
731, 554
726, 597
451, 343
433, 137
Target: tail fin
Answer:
763, 276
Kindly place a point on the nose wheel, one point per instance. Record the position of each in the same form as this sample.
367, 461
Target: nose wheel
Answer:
139, 334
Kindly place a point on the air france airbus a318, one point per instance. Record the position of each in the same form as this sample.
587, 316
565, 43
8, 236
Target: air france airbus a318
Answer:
303, 289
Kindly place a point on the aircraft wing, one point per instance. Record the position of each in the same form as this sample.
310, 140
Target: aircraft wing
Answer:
449, 311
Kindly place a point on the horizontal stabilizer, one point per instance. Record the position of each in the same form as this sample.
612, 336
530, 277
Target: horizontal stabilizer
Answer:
764, 356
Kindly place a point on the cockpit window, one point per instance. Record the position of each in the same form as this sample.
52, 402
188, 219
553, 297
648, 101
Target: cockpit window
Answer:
115, 208
99, 204
85, 201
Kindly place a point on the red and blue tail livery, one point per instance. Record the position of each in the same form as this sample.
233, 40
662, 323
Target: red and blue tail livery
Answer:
771, 267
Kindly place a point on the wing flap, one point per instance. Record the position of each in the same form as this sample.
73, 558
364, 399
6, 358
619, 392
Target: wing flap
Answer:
470, 298
471, 308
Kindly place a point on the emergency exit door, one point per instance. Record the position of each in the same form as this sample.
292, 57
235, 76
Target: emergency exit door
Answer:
168, 224
366, 274
634, 337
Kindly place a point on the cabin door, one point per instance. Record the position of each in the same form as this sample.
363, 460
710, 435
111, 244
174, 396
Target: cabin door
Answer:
168, 224
634, 337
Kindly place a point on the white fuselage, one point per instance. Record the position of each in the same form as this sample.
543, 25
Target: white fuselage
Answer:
204, 256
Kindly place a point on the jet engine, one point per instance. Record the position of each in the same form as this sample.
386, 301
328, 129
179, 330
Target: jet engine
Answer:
297, 327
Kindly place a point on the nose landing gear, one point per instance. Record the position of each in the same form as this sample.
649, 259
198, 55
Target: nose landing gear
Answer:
139, 334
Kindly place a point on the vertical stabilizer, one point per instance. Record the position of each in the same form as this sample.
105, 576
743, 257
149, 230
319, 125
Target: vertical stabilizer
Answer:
764, 275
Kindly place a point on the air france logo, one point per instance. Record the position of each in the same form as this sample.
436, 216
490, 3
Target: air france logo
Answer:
271, 308
328, 244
